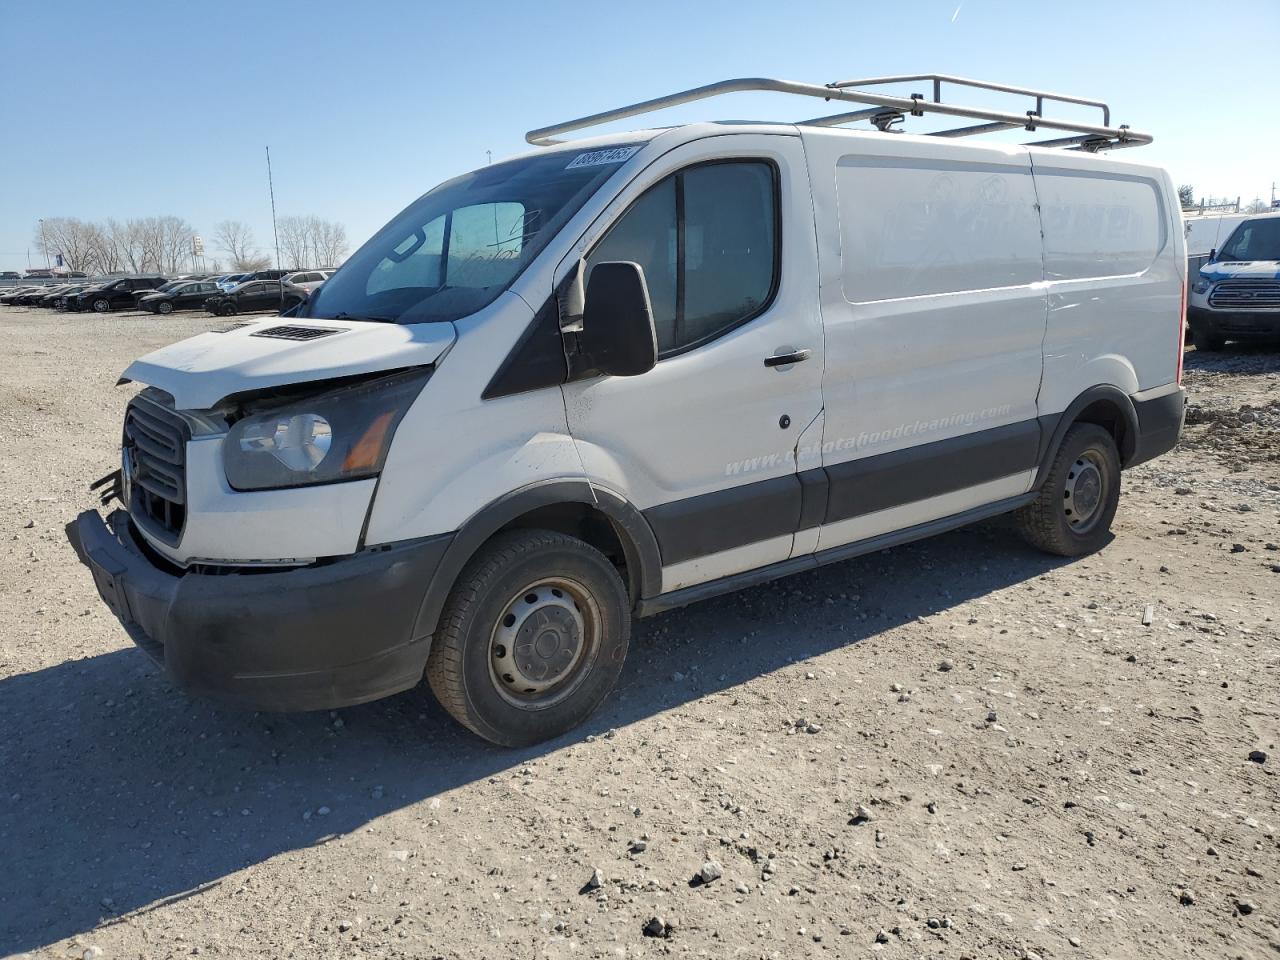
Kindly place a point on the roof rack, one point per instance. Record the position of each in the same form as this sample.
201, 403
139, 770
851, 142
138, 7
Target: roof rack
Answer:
887, 112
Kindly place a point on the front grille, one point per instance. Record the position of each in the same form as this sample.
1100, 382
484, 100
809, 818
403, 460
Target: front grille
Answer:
297, 333
1246, 294
155, 451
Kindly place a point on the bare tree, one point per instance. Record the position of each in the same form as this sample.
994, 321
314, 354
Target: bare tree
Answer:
106, 252
330, 243
311, 241
1187, 195
236, 240
68, 238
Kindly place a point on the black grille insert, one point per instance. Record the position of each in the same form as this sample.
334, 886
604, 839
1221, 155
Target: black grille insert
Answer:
155, 452
297, 333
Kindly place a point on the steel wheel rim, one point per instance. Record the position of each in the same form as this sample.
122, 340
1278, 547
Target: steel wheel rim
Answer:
543, 643
165, 308
101, 306
1085, 491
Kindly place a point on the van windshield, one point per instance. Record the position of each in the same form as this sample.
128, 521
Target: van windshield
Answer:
1254, 240
452, 251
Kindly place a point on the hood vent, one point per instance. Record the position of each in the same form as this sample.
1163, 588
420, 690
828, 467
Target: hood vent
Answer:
298, 333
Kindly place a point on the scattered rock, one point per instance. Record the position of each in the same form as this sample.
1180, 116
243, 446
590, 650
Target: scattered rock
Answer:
91, 952
882, 935
658, 927
594, 882
946, 666
1258, 756
711, 870
741, 887
860, 815
1186, 898
1245, 907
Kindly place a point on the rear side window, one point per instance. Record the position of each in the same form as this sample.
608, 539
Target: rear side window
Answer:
1101, 225
707, 238
914, 228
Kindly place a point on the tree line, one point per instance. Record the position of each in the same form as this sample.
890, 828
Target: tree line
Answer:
167, 244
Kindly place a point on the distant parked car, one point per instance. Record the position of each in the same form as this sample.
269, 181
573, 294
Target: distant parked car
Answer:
33, 294
308, 279
60, 301
10, 275
189, 295
11, 297
232, 279
48, 297
255, 295
166, 286
113, 294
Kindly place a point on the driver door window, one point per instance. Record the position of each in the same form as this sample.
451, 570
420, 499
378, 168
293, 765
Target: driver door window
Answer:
707, 239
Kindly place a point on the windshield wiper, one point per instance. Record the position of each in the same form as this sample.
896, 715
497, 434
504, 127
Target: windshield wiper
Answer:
343, 315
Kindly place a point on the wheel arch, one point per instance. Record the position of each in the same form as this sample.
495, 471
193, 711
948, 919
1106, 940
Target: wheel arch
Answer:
1105, 405
575, 507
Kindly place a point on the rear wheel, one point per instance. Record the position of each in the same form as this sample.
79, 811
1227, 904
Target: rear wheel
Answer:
532, 638
1072, 514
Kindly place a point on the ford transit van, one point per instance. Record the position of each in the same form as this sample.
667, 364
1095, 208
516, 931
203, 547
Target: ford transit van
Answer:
620, 374
1236, 295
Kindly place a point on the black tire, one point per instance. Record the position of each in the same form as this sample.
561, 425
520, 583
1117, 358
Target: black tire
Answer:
227, 310
164, 306
1072, 514
1207, 342
525, 567
102, 305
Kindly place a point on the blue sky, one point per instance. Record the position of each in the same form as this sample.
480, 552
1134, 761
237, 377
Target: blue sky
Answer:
132, 109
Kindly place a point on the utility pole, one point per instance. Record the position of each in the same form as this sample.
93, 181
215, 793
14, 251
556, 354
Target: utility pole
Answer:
275, 232
489, 154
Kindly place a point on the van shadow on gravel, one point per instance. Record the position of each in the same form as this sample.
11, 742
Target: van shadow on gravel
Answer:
118, 793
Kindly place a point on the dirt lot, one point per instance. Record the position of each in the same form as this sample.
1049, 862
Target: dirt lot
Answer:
960, 748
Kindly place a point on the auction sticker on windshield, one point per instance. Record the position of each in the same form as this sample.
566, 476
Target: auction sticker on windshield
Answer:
597, 157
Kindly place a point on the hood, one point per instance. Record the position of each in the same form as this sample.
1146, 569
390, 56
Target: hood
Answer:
1237, 269
200, 371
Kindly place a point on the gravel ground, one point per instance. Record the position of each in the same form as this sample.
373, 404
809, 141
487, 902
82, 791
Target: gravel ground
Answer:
959, 748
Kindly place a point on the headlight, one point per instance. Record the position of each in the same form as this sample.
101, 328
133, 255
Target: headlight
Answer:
1200, 286
342, 434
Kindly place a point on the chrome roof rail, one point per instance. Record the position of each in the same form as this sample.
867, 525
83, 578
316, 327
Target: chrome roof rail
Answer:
886, 111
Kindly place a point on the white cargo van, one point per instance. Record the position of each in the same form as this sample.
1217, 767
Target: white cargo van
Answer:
617, 375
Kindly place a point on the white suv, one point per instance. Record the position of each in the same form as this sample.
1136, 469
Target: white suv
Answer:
621, 374
309, 280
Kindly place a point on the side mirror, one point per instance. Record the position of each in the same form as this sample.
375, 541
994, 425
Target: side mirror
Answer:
1213, 255
617, 322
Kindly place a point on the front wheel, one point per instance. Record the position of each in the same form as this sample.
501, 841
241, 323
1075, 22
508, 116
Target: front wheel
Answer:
227, 310
1207, 342
165, 306
532, 638
1072, 514
102, 305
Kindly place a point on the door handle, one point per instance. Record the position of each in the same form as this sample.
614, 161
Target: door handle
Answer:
780, 359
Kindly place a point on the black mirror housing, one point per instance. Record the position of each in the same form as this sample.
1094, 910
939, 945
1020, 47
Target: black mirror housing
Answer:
1213, 255
617, 335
